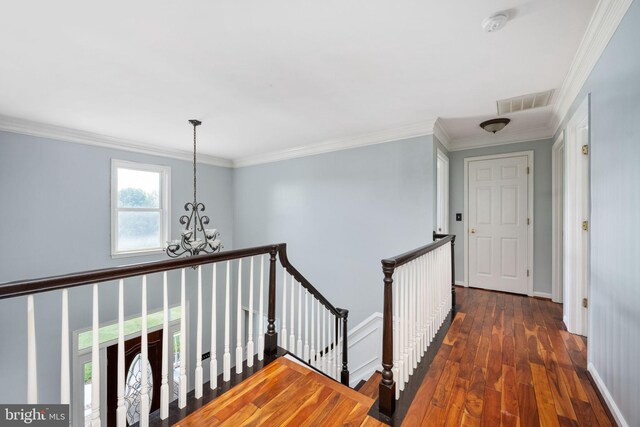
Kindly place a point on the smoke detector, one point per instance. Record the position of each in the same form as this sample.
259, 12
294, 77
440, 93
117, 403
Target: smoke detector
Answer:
495, 22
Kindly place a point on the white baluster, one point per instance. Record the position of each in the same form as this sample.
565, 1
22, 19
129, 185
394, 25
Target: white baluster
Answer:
164, 382
324, 340
414, 320
405, 311
239, 321
332, 352
198, 372
226, 358
283, 333
261, 312
65, 387
306, 325
425, 301
145, 404
412, 316
401, 350
121, 411
182, 396
95, 361
396, 332
312, 354
213, 364
339, 356
420, 309
32, 368
292, 337
250, 352
299, 344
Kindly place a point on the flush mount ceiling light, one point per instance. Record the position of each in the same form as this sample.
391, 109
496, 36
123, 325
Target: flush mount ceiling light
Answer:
494, 125
495, 22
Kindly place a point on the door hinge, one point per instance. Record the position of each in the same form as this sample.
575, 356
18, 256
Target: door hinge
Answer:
585, 150
528, 170
585, 225
528, 221
585, 302
527, 273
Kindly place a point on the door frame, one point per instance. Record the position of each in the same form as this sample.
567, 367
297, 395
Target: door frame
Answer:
442, 186
576, 241
465, 217
557, 218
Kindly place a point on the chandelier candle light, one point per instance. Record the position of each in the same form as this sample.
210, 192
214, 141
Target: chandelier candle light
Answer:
191, 243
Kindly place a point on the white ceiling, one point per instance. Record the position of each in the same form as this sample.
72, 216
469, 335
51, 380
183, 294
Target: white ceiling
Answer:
266, 76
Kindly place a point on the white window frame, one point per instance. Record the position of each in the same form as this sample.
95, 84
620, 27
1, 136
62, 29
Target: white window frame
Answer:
164, 199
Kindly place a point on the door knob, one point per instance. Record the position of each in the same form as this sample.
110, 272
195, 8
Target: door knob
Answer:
472, 231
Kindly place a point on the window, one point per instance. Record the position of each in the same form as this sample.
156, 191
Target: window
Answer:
139, 208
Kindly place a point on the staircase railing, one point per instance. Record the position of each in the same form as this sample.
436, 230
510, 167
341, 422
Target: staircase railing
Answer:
319, 337
418, 295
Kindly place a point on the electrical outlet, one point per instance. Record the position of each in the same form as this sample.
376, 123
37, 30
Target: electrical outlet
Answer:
206, 355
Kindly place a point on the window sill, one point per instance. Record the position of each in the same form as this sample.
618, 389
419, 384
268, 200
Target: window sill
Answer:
136, 253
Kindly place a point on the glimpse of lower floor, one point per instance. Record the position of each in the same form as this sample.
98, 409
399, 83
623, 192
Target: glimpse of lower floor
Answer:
508, 360
285, 393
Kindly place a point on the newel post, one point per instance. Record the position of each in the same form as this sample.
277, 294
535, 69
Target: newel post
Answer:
271, 337
453, 271
387, 388
344, 375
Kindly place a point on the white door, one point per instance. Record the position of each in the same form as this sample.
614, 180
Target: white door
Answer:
498, 206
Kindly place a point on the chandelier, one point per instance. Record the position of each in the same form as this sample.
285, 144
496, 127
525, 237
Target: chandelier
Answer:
191, 242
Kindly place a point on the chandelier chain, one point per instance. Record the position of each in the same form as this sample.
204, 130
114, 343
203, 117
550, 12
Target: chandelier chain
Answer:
194, 165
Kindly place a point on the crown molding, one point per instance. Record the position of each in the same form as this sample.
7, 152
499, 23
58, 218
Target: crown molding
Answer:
440, 132
28, 127
425, 127
603, 25
471, 142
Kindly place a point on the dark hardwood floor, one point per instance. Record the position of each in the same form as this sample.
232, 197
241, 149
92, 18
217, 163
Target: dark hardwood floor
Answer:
508, 360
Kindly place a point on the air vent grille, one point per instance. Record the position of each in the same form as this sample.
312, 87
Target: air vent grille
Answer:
524, 102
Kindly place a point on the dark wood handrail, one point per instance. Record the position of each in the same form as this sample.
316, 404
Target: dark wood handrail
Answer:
387, 387
34, 286
284, 260
406, 257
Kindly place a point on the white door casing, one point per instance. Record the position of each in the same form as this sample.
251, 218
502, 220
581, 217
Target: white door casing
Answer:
557, 218
498, 222
576, 211
442, 193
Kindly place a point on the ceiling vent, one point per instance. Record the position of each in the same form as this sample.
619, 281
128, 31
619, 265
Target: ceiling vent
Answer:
524, 102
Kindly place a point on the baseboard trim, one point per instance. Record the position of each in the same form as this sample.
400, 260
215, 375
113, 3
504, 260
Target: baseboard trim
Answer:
542, 295
460, 283
605, 397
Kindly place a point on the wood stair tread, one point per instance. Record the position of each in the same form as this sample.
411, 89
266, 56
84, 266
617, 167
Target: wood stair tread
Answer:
370, 387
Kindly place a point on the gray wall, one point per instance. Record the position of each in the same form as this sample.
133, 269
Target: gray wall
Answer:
541, 199
614, 322
55, 211
341, 213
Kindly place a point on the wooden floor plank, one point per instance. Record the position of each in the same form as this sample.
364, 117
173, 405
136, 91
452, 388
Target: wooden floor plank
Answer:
515, 348
491, 414
544, 398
